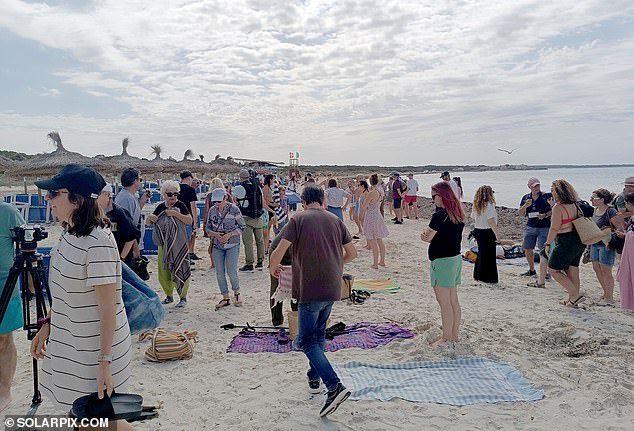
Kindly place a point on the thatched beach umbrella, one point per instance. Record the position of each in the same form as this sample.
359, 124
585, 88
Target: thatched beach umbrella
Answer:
160, 165
118, 163
51, 163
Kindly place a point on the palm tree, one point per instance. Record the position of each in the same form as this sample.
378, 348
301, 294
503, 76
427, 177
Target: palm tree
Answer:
124, 144
188, 153
156, 151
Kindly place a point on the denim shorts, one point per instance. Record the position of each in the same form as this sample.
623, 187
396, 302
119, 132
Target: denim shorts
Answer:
397, 203
189, 230
534, 236
599, 253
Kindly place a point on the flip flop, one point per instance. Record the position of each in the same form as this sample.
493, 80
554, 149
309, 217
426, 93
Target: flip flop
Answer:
282, 337
144, 415
117, 398
90, 406
223, 303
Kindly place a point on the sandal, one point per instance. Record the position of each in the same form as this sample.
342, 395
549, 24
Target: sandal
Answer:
224, 302
237, 301
536, 284
571, 303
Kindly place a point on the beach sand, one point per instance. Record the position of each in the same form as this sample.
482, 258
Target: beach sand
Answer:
523, 326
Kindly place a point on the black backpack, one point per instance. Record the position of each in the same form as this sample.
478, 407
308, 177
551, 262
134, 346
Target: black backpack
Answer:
251, 204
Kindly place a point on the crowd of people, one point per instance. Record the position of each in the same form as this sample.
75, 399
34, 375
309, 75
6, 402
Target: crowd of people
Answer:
85, 339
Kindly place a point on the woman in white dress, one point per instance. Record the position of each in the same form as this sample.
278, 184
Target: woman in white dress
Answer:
87, 329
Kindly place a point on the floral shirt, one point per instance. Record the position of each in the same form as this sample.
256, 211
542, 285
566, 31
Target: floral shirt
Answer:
224, 222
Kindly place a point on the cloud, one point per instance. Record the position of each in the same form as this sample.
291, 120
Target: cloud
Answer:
377, 82
51, 92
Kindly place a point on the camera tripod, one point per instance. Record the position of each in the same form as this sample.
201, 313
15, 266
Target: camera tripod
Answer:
28, 264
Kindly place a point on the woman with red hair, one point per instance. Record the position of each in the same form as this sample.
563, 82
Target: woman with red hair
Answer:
444, 235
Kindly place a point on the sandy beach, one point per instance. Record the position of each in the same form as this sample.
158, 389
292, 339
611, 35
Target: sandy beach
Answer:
522, 326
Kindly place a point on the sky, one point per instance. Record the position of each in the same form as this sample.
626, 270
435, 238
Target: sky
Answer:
367, 82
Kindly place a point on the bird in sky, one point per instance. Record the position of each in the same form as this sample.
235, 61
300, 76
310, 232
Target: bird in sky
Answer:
507, 151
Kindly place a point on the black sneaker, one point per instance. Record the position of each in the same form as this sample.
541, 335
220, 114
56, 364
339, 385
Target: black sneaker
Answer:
398, 222
395, 219
247, 268
529, 273
333, 399
168, 300
259, 266
192, 256
314, 387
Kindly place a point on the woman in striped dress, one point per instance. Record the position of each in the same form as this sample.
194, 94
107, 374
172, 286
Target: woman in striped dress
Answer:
87, 329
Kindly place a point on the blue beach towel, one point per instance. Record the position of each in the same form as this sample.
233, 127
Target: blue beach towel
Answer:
142, 305
458, 382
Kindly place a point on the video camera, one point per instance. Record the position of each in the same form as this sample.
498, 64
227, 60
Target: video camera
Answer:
27, 236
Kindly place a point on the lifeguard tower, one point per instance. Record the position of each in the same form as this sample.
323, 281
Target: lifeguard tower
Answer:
293, 164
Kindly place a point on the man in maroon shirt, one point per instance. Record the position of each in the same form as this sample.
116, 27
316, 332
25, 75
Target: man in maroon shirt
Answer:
318, 257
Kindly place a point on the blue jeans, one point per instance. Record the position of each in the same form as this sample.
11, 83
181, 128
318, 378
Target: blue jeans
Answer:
336, 211
226, 262
311, 339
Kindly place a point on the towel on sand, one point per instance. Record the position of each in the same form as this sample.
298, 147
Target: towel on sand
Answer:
457, 382
363, 335
376, 286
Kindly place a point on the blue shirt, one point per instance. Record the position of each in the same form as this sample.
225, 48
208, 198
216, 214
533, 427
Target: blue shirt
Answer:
539, 205
130, 203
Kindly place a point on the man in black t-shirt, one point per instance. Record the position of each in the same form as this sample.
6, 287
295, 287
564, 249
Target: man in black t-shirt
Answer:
125, 231
189, 198
536, 207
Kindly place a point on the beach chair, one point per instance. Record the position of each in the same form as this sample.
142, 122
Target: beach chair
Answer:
201, 213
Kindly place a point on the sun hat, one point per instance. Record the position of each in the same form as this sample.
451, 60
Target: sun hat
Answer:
217, 195
533, 181
629, 181
81, 180
244, 173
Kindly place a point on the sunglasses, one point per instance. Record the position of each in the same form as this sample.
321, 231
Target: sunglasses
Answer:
171, 194
52, 194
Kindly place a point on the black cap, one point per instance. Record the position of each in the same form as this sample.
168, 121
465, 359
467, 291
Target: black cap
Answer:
82, 180
444, 174
186, 174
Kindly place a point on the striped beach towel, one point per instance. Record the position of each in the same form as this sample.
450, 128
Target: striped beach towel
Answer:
376, 286
457, 382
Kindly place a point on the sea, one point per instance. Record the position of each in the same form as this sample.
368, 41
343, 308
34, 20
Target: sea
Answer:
510, 186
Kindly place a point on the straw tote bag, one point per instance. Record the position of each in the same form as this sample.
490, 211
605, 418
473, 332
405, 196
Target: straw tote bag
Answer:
169, 345
588, 231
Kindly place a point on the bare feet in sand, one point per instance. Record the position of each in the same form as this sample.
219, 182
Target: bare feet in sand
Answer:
374, 266
381, 263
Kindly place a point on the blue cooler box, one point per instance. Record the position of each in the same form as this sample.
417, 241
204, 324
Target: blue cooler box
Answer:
148, 246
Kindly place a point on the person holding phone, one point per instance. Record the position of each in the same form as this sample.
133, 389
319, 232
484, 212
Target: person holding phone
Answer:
535, 206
